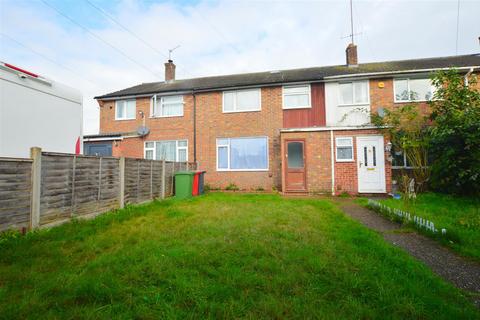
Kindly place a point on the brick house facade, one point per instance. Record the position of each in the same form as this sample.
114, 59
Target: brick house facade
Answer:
204, 124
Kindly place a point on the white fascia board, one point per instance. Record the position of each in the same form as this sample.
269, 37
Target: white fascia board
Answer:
313, 129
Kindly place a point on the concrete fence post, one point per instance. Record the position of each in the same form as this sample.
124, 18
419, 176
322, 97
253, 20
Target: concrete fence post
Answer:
121, 197
163, 179
36, 156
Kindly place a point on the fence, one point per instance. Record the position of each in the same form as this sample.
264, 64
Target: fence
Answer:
404, 216
52, 188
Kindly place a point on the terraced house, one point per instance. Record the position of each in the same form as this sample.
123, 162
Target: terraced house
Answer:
302, 130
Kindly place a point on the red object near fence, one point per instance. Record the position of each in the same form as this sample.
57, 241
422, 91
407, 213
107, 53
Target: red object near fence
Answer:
77, 146
196, 178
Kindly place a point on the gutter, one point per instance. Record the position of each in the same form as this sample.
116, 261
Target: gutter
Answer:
102, 139
394, 72
313, 129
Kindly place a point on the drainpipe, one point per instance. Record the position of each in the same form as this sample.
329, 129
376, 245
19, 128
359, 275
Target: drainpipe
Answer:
194, 128
468, 75
332, 162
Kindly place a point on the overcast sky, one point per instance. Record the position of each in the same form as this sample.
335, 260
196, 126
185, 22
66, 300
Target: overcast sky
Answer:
218, 37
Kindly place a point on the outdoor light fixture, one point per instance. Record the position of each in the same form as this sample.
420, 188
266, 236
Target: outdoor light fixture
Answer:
388, 147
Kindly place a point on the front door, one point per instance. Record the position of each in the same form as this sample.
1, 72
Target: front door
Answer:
371, 164
295, 165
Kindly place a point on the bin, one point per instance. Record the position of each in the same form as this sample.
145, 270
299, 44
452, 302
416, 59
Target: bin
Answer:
196, 178
183, 184
201, 182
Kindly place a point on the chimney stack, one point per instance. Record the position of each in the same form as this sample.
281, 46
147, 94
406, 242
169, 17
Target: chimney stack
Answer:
352, 58
169, 71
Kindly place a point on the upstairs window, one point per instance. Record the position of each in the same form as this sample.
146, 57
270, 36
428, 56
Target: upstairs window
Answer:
296, 97
167, 106
408, 90
171, 150
125, 109
242, 100
242, 154
353, 93
344, 149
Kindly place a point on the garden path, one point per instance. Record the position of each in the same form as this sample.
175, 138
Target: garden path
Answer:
462, 272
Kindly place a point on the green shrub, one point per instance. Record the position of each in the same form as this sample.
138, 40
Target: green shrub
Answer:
232, 187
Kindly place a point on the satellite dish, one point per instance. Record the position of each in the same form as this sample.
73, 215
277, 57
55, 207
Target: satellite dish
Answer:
381, 112
143, 131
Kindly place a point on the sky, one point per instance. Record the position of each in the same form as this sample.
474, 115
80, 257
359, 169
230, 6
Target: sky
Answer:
100, 46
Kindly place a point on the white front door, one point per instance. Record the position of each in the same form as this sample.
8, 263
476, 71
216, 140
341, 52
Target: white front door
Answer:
371, 164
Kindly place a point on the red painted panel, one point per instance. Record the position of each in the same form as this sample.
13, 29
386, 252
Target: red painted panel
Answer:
310, 117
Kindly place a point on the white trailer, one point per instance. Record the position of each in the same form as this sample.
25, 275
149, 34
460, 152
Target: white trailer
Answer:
37, 112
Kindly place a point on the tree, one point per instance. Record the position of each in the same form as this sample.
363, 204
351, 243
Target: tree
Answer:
455, 134
407, 129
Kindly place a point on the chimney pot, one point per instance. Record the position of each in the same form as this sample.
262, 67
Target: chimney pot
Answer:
169, 71
351, 53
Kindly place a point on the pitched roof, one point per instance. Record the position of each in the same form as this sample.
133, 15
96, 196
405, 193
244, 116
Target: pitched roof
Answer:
294, 75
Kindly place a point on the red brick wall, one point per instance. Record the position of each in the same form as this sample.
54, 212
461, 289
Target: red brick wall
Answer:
128, 147
212, 123
171, 128
384, 97
346, 175
317, 159
318, 162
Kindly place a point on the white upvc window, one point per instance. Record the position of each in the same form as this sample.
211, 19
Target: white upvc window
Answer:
353, 93
344, 149
167, 106
242, 154
125, 109
169, 150
242, 100
297, 97
408, 90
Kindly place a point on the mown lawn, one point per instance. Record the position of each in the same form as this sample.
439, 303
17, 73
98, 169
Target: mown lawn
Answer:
460, 216
220, 256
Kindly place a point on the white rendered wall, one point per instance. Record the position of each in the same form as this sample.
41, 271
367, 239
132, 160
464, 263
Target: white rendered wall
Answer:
340, 116
37, 114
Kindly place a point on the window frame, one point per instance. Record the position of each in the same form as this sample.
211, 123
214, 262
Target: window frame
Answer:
259, 90
155, 99
126, 101
432, 89
228, 155
297, 85
352, 159
353, 94
154, 149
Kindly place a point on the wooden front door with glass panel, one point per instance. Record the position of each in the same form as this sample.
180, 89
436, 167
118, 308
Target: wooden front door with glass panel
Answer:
295, 173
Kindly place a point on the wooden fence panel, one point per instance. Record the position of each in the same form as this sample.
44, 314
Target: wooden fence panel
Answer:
56, 188
77, 186
15, 185
131, 180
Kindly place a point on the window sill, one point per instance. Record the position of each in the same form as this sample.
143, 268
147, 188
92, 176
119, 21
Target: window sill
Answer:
242, 170
125, 119
366, 104
159, 117
344, 161
410, 101
256, 110
295, 108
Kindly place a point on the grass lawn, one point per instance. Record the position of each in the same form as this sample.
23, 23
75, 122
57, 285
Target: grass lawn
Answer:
460, 216
220, 256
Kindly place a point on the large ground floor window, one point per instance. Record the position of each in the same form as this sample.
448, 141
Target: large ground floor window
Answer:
169, 150
242, 154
